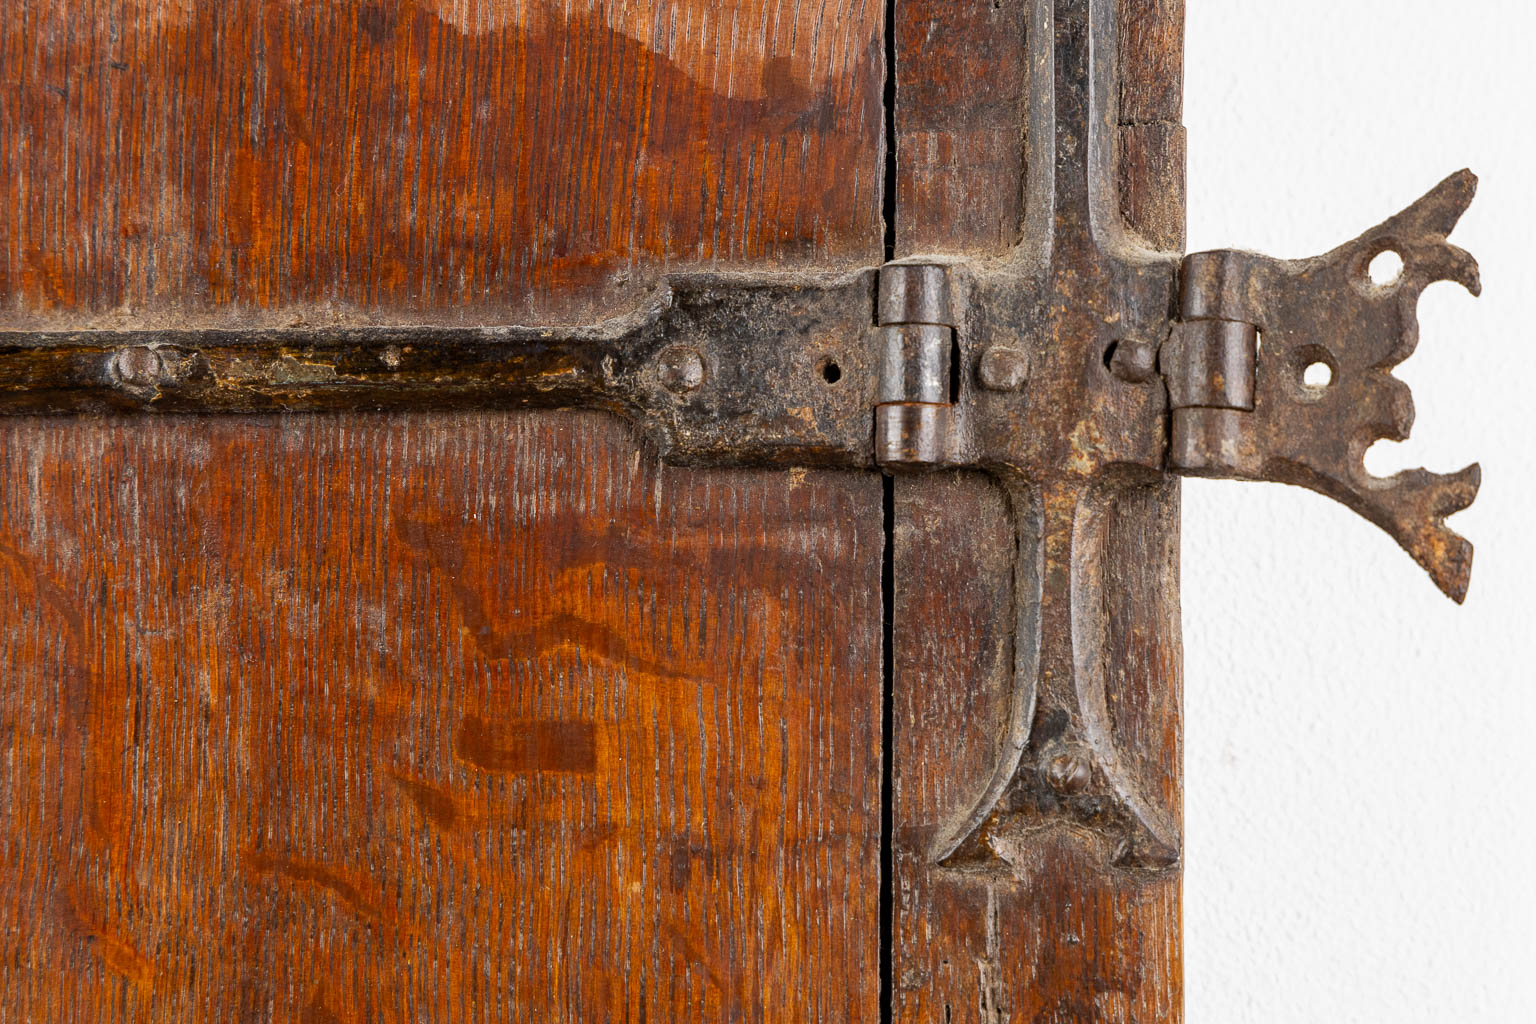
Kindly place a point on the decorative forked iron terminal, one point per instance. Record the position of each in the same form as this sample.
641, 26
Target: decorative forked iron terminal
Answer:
1080, 367
1060, 399
1248, 411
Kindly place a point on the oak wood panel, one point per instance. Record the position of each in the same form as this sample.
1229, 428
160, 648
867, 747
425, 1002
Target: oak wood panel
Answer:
473, 717
1045, 929
273, 161
962, 103
950, 961
1151, 66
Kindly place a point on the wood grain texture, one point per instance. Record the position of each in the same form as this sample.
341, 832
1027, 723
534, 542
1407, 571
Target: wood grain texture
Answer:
1151, 64
446, 161
431, 718
962, 102
1045, 930
961, 131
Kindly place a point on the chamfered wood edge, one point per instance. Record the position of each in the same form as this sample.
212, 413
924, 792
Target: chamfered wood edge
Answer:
1056, 933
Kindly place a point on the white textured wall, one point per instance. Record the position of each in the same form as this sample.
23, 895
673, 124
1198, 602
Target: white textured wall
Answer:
1361, 751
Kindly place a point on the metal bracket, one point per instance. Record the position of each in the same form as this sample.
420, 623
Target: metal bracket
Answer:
716, 370
1247, 410
1080, 367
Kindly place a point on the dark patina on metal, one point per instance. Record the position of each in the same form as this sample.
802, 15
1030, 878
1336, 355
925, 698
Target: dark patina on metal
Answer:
715, 370
1079, 368
1247, 411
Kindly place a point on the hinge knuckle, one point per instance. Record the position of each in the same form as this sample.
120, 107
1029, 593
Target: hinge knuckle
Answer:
1210, 363
916, 293
1214, 285
915, 435
914, 363
914, 417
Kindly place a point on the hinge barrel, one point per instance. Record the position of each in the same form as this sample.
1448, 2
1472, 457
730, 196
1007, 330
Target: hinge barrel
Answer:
1210, 365
914, 419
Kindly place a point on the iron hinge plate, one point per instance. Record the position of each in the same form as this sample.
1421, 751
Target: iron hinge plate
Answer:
1075, 369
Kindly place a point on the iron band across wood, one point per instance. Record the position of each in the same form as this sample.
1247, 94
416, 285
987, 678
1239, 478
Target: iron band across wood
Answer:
1082, 365
725, 370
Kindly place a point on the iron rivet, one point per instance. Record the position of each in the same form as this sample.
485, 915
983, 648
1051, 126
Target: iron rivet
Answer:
1133, 361
1068, 773
681, 368
1003, 368
138, 366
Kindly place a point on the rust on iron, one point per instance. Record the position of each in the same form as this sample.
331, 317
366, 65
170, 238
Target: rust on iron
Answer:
1081, 367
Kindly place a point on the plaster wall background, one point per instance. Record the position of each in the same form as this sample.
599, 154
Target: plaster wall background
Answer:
1361, 755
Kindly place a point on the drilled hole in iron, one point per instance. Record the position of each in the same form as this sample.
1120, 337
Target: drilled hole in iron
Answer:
830, 371
1109, 355
1317, 375
1386, 268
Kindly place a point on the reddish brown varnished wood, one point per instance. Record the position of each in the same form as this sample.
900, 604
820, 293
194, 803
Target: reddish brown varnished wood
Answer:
962, 103
1043, 928
272, 161
431, 718
486, 717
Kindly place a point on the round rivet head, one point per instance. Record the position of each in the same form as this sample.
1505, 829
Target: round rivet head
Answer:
1133, 361
1068, 773
680, 368
1003, 368
138, 367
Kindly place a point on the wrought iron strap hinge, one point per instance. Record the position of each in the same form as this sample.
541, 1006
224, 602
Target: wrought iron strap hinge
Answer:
715, 369
1090, 366
1076, 368
1275, 370
1272, 370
